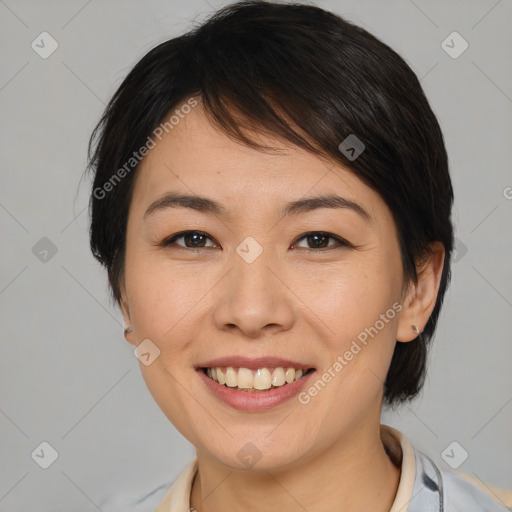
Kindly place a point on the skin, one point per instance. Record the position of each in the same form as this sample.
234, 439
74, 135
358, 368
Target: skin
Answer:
197, 305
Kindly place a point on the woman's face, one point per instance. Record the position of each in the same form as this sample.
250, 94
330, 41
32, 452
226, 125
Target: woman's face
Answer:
250, 283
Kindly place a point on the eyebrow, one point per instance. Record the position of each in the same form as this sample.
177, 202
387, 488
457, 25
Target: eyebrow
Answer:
299, 206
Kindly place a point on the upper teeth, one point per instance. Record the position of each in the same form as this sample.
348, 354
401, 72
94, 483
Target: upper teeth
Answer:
262, 378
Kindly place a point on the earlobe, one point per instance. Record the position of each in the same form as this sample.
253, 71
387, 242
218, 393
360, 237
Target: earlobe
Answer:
128, 331
128, 334
421, 297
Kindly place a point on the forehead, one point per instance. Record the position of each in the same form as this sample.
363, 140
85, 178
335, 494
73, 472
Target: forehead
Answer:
196, 157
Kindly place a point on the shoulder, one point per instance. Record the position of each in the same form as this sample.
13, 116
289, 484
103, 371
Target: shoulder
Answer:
452, 491
424, 487
460, 492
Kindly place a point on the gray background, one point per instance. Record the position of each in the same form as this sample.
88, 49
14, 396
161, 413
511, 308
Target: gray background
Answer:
69, 378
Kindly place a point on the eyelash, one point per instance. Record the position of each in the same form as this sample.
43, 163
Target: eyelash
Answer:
340, 241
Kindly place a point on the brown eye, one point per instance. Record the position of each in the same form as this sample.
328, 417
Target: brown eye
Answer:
318, 240
192, 240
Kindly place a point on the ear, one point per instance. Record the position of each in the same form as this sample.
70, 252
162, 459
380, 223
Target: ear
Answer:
420, 299
125, 310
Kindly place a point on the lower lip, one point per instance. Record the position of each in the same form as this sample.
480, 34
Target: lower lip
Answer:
255, 401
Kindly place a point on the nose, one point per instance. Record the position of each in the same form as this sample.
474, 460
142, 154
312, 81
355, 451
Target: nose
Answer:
253, 298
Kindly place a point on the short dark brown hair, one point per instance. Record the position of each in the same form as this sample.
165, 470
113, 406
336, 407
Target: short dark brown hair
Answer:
309, 77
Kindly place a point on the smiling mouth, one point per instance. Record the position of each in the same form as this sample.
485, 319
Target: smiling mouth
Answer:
262, 379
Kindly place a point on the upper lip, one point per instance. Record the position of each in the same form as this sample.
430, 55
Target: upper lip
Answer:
252, 363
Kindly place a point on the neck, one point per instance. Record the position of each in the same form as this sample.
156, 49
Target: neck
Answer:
352, 475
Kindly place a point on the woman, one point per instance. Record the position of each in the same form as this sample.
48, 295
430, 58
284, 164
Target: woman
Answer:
273, 204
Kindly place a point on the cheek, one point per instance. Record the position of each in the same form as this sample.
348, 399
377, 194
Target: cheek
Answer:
350, 297
162, 297
358, 306
162, 307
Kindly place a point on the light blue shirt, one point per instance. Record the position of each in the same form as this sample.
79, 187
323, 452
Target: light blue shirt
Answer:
442, 491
